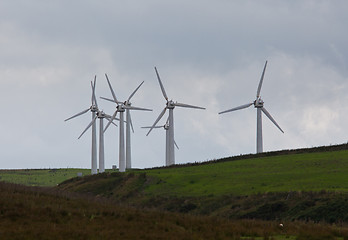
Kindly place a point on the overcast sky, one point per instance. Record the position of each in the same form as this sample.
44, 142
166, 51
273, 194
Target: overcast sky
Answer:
208, 53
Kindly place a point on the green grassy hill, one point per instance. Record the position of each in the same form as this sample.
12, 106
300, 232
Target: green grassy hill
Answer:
282, 185
235, 187
314, 169
295, 172
282, 173
41, 177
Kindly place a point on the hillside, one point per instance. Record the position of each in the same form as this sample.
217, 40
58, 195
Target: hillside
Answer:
293, 172
49, 213
282, 185
40, 177
52, 177
45, 213
242, 197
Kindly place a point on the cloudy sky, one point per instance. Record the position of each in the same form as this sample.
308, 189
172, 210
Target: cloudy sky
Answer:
208, 53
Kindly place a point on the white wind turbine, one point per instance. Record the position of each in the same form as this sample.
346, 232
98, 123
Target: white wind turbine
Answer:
170, 105
101, 115
96, 113
94, 109
166, 128
121, 108
258, 104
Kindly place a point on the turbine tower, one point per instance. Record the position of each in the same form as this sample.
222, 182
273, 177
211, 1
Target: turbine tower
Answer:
170, 105
166, 128
101, 115
121, 108
94, 109
258, 104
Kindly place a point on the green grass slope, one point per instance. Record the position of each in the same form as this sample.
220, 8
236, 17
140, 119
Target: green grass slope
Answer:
40, 177
296, 186
294, 172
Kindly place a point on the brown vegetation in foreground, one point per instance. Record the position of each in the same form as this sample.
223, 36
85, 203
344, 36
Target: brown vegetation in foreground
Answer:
47, 213
323, 206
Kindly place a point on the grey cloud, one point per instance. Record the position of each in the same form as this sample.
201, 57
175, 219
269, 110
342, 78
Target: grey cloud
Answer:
208, 53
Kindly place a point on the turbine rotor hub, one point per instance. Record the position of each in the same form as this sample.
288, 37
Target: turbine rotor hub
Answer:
121, 108
258, 103
101, 114
170, 104
94, 108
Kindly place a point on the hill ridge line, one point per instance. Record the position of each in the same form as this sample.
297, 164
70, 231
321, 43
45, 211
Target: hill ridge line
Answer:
336, 147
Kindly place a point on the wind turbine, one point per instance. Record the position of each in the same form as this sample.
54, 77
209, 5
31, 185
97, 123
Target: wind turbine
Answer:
258, 104
101, 115
94, 109
96, 113
166, 128
121, 108
170, 105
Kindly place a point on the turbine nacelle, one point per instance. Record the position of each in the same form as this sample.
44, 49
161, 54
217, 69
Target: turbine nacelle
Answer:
258, 103
166, 126
121, 108
101, 114
94, 108
170, 104
127, 103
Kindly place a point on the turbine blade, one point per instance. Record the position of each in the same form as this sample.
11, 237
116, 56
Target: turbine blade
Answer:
137, 108
94, 99
111, 120
270, 118
158, 118
153, 127
112, 91
176, 145
237, 108
261, 80
76, 115
89, 125
161, 85
187, 106
108, 99
135, 91
109, 117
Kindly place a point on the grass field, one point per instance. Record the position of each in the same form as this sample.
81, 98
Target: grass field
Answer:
40, 177
295, 172
290, 187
